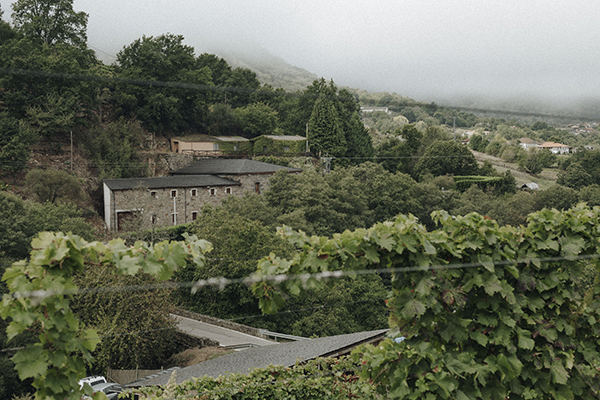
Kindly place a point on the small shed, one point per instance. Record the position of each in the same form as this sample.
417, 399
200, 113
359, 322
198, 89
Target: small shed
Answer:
530, 186
206, 145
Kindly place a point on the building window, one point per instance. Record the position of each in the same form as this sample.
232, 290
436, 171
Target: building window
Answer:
236, 147
174, 219
212, 191
264, 149
194, 192
227, 190
216, 146
154, 194
194, 215
153, 219
173, 193
257, 187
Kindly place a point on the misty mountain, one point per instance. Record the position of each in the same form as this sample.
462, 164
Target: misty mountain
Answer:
528, 109
269, 68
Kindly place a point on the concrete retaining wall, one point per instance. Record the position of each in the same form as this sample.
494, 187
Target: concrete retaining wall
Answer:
221, 322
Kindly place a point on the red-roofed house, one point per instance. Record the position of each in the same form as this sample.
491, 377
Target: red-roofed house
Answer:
556, 148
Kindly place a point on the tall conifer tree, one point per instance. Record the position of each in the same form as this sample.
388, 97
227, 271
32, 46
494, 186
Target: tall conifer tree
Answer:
325, 134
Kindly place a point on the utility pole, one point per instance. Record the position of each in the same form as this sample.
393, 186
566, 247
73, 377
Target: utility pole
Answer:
307, 147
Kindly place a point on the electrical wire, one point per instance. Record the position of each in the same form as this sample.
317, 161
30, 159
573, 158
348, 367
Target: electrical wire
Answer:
215, 88
222, 282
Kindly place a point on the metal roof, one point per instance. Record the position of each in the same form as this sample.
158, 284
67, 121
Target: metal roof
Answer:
169, 182
223, 166
286, 354
209, 138
284, 137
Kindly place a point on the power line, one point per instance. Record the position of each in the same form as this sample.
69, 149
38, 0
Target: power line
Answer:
203, 87
222, 282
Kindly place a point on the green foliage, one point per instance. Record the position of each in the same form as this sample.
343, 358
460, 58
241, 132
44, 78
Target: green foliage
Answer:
256, 119
347, 306
325, 134
575, 176
221, 121
54, 185
55, 102
515, 326
556, 196
162, 109
42, 289
590, 195
51, 21
343, 306
238, 242
16, 139
318, 379
589, 161
446, 157
358, 140
134, 326
532, 164
401, 155
278, 147
478, 143
499, 184
114, 149
21, 220
52, 119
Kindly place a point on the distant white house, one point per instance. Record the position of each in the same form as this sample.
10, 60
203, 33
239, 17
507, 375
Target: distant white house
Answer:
373, 109
556, 148
527, 143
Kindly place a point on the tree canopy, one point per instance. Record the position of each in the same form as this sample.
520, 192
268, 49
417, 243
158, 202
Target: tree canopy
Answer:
51, 21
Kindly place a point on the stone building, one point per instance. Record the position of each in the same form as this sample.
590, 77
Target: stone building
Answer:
139, 203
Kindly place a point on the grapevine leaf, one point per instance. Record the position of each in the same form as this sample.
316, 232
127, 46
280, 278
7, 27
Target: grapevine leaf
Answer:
30, 362
413, 308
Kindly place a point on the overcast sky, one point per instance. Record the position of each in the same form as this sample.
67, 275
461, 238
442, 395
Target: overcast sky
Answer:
425, 49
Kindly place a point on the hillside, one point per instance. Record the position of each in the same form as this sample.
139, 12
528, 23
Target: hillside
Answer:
269, 69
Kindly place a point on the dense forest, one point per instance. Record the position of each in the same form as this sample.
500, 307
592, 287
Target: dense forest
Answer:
409, 160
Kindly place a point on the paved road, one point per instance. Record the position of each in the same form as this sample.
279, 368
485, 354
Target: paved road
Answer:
226, 337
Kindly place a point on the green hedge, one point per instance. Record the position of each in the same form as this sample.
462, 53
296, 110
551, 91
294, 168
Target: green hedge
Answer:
501, 184
272, 146
245, 148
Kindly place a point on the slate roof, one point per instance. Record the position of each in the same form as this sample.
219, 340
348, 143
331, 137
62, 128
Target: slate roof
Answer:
285, 354
223, 166
169, 182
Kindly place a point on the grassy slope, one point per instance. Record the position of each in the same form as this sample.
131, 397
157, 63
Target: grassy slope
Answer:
545, 179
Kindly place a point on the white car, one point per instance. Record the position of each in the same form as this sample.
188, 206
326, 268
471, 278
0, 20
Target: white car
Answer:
92, 381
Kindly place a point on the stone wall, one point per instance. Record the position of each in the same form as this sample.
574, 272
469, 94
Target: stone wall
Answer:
156, 207
160, 164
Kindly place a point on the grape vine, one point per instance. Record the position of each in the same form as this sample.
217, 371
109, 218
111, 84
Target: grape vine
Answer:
523, 324
42, 287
